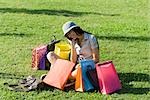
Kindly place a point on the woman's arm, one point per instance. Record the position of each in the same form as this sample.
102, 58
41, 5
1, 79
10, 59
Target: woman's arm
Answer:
73, 56
95, 55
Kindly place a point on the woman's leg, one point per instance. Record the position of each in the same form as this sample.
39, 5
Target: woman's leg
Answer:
74, 73
52, 57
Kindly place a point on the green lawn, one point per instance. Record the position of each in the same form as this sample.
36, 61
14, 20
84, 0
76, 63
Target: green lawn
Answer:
121, 27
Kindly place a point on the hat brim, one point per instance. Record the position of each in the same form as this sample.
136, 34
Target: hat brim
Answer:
69, 29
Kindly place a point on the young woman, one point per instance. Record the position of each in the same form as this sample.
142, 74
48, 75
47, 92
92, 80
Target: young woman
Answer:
83, 44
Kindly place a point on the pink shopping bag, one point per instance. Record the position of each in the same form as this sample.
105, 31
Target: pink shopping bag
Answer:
37, 54
108, 79
59, 73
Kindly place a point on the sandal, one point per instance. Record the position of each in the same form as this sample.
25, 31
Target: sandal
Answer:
28, 84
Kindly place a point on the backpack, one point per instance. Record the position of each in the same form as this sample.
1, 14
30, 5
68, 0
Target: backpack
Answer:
51, 45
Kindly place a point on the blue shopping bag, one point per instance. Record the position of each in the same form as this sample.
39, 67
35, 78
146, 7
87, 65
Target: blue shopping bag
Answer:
85, 66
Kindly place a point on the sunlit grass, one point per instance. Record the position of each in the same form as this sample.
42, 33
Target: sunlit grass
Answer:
121, 27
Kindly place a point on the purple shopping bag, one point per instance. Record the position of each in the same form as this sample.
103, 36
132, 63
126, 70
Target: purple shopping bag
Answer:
42, 62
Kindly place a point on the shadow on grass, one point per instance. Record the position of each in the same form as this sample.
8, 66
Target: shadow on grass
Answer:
6, 76
44, 87
126, 78
66, 13
16, 34
10, 76
128, 88
124, 38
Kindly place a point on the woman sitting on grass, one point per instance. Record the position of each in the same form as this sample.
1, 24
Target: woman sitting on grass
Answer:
83, 45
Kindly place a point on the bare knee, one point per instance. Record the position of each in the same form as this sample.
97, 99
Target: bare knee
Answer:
52, 57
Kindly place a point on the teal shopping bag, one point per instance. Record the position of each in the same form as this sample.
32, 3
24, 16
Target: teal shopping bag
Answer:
85, 66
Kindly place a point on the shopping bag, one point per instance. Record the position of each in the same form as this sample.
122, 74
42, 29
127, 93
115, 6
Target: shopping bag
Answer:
85, 66
92, 75
108, 79
79, 82
62, 49
59, 73
38, 56
39, 59
44, 64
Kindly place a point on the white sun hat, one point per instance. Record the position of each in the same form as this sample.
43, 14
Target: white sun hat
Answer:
68, 26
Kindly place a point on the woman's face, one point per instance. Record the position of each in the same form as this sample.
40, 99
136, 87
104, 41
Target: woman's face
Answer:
72, 35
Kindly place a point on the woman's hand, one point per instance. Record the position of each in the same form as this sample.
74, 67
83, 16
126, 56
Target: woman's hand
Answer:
95, 55
73, 42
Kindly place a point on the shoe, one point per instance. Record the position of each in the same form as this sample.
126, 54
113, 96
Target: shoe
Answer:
28, 84
70, 83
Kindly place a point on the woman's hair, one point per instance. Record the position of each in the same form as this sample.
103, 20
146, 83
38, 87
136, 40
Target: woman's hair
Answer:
78, 30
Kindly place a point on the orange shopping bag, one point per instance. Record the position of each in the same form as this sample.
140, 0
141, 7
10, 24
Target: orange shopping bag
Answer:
79, 82
59, 73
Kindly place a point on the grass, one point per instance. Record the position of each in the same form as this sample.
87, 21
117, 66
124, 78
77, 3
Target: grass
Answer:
121, 27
